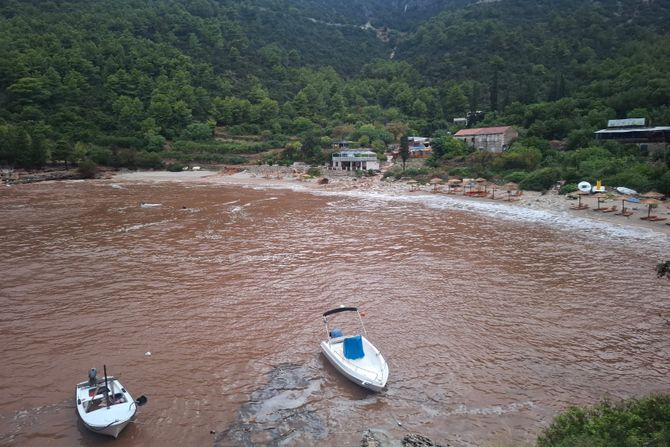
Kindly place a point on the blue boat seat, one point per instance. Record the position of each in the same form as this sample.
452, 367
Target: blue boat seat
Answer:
353, 348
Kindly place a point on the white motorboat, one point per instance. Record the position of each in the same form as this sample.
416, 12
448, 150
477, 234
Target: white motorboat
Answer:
353, 355
104, 405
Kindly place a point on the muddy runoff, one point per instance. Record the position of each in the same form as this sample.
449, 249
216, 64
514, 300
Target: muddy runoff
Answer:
492, 322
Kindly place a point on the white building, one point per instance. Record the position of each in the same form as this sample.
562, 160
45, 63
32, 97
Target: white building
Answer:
355, 159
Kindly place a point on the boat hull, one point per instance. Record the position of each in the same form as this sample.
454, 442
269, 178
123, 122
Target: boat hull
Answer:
371, 375
111, 430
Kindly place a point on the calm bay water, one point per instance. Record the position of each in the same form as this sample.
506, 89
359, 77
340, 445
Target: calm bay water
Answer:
492, 321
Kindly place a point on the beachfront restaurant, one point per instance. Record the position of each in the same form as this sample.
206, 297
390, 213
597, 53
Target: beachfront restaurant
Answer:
354, 160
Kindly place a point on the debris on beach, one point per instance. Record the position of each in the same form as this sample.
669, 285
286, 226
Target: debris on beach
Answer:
381, 438
278, 412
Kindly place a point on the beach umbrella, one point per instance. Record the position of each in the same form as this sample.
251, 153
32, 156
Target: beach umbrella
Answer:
452, 183
511, 186
599, 196
650, 203
480, 182
652, 195
623, 203
579, 197
412, 185
435, 182
493, 190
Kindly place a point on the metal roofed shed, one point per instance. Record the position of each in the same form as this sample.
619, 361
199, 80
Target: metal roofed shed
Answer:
659, 134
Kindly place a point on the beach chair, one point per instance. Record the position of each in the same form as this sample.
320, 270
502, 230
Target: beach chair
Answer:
610, 210
657, 219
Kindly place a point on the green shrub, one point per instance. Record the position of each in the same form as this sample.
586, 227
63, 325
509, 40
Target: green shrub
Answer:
568, 188
148, 160
220, 147
461, 171
314, 172
571, 175
277, 141
175, 167
125, 157
541, 179
198, 132
120, 142
413, 172
590, 153
395, 172
101, 155
155, 143
663, 184
520, 157
87, 168
631, 423
244, 129
630, 178
516, 176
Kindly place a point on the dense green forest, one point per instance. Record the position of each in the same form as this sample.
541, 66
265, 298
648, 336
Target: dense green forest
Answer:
131, 83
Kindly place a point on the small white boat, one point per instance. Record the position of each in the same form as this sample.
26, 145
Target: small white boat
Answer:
353, 355
104, 405
624, 190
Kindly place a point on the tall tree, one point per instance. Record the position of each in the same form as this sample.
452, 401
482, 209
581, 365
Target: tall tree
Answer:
404, 150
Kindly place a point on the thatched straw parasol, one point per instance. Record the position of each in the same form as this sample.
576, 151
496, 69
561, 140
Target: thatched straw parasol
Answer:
452, 183
493, 190
650, 203
481, 182
652, 195
579, 197
511, 186
435, 182
599, 197
623, 203
412, 185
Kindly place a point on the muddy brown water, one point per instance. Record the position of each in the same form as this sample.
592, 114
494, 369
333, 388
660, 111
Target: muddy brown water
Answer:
493, 319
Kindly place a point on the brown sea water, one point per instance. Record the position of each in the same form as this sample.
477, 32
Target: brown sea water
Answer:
493, 319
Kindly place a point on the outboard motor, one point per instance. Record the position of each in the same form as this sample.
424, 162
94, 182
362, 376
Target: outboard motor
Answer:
92, 379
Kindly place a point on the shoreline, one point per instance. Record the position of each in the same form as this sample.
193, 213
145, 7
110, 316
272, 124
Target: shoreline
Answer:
551, 202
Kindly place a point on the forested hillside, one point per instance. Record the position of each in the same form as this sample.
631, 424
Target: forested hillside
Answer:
125, 82
517, 50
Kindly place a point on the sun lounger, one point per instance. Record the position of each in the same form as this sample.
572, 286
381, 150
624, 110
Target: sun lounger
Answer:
625, 213
610, 210
583, 206
657, 219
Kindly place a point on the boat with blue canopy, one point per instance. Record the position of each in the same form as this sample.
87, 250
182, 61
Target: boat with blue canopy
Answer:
354, 355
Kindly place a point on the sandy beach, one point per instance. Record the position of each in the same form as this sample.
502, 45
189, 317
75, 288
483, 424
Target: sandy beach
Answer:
551, 202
